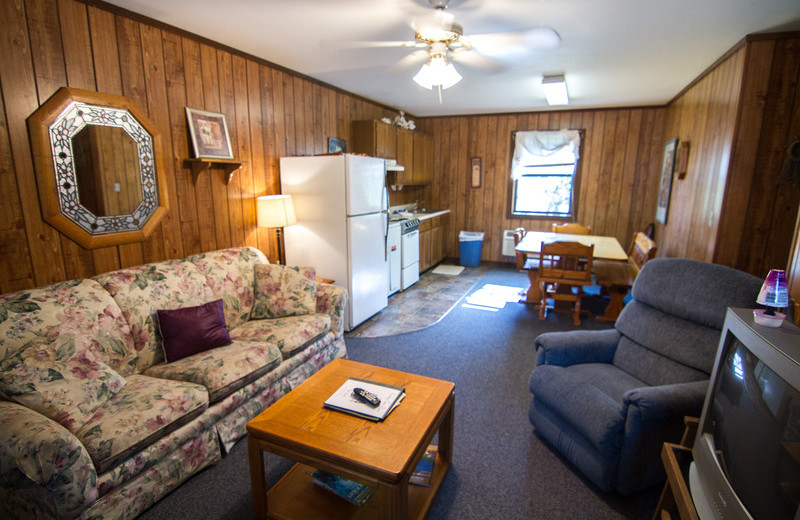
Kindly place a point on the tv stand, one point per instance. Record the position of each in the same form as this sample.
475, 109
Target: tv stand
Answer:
676, 498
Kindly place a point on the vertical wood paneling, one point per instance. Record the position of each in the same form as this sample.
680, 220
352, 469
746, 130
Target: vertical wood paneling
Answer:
47, 44
615, 179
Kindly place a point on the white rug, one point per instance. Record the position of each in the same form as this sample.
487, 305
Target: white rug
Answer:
450, 270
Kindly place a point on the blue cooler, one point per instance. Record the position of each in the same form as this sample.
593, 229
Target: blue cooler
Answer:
470, 245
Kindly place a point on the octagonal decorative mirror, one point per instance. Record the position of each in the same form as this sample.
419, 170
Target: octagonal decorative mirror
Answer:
98, 167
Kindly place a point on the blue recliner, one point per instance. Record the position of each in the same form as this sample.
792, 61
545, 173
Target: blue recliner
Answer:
608, 400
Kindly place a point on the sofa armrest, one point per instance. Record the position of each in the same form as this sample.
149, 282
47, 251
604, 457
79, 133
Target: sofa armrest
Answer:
666, 402
575, 347
332, 299
35, 449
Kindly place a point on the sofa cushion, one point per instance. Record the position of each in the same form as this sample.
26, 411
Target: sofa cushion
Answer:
144, 410
190, 330
140, 291
282, 291
291, 335
222, 370
230, 274
60, 378
81, 307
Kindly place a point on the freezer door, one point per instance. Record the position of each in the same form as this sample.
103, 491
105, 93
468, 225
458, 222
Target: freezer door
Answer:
368, 268
365, 185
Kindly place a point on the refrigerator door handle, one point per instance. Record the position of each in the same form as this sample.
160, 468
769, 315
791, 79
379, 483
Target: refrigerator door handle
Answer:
386, 237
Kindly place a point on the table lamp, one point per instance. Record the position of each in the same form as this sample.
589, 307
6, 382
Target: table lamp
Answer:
276, 211
774, 294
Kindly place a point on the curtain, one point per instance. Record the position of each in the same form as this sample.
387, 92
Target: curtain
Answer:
537, 147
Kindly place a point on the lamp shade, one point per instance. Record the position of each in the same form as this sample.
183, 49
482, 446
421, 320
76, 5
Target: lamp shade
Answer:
774, 292
437, 71
276, 211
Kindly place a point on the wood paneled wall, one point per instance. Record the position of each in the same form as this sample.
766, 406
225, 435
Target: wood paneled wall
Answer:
619, 172
705, 116
739, 119
271, 112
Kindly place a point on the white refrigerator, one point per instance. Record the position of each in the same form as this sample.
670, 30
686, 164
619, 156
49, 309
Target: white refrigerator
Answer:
341, 202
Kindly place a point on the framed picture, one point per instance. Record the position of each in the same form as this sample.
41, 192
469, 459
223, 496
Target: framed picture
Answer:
476, 172
665, 186
337, 145
209, 133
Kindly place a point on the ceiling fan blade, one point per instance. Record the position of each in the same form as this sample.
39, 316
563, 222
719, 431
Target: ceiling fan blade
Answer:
496, 44
472, 59
357, 44
408, 61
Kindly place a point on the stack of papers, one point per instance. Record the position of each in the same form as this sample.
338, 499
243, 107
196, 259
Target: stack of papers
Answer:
344, 400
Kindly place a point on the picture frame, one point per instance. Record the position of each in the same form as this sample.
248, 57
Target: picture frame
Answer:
476, 172
665, 186
337, 145
209, 134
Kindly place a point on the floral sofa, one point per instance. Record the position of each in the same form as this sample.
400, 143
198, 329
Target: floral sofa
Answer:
95, 423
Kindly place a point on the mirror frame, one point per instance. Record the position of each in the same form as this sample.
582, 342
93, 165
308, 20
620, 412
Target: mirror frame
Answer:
52, 127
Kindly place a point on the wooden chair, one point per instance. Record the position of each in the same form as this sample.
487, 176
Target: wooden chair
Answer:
573, 228
523, 262
565, 268
616, 278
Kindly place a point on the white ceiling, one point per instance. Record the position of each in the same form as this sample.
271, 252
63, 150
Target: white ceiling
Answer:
613, 52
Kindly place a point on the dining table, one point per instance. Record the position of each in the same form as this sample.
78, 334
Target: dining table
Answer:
605, 248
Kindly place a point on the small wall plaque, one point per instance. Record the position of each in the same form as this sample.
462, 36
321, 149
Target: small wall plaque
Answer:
476, 172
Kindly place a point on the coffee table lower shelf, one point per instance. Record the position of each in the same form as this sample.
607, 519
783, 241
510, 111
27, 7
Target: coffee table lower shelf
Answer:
296, 496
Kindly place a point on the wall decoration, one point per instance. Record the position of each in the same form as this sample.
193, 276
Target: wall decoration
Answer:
682, 159
209, 133
476, 172
337, 145
665, 186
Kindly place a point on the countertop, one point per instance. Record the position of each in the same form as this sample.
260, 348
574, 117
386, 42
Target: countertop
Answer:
426, 216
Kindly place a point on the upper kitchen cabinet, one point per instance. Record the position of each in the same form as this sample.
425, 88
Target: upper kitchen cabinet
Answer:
375, 138
412, 150
423, 159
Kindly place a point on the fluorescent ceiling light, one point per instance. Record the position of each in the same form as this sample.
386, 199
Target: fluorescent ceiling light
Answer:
555, 90
437, 72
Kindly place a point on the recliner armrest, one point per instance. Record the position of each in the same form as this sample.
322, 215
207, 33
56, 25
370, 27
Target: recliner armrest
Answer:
35, 449
332, 300
576, 347
661, 403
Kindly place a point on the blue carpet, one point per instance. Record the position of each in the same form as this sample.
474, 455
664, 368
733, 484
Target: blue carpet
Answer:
501, 468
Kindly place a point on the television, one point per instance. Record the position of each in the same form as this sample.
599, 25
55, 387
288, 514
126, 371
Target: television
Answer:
747, 449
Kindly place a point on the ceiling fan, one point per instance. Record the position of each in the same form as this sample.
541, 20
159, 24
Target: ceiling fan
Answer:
439, 38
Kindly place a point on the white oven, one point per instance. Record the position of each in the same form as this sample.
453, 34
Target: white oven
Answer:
409, 252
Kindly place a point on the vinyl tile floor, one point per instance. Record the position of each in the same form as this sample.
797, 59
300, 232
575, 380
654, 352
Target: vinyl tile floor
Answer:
422, 304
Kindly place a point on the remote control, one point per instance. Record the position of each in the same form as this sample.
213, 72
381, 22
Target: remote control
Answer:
368, 397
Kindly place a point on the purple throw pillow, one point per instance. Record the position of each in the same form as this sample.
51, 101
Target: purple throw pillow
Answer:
191, 330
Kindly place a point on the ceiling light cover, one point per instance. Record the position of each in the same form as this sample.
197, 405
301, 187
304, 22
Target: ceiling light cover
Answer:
437, 72
555, 90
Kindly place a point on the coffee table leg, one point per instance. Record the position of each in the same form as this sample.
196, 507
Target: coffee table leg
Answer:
257, 482
395, 505
446, 432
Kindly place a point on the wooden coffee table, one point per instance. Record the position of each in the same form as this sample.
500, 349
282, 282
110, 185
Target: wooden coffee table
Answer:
381, 454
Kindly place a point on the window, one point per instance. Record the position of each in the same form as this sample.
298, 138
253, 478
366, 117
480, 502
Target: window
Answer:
543, 173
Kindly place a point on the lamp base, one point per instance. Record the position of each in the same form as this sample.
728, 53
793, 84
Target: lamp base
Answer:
768, 320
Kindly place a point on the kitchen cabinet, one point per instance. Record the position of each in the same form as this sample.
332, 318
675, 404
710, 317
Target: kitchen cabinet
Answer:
423, 159
405, 156
425, 258
412, 150
431, 241
375, 138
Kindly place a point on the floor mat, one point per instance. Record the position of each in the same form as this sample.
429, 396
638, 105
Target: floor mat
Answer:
450, 270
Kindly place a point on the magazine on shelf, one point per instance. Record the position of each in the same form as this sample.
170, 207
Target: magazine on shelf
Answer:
349, 490
344, 400
424, 470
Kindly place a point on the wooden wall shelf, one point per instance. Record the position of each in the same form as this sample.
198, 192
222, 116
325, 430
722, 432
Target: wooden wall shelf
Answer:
229, 166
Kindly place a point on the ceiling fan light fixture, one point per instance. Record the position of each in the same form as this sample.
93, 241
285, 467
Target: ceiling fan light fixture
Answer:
555, 90
437, 72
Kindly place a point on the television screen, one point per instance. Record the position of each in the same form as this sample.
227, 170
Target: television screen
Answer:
756, 432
